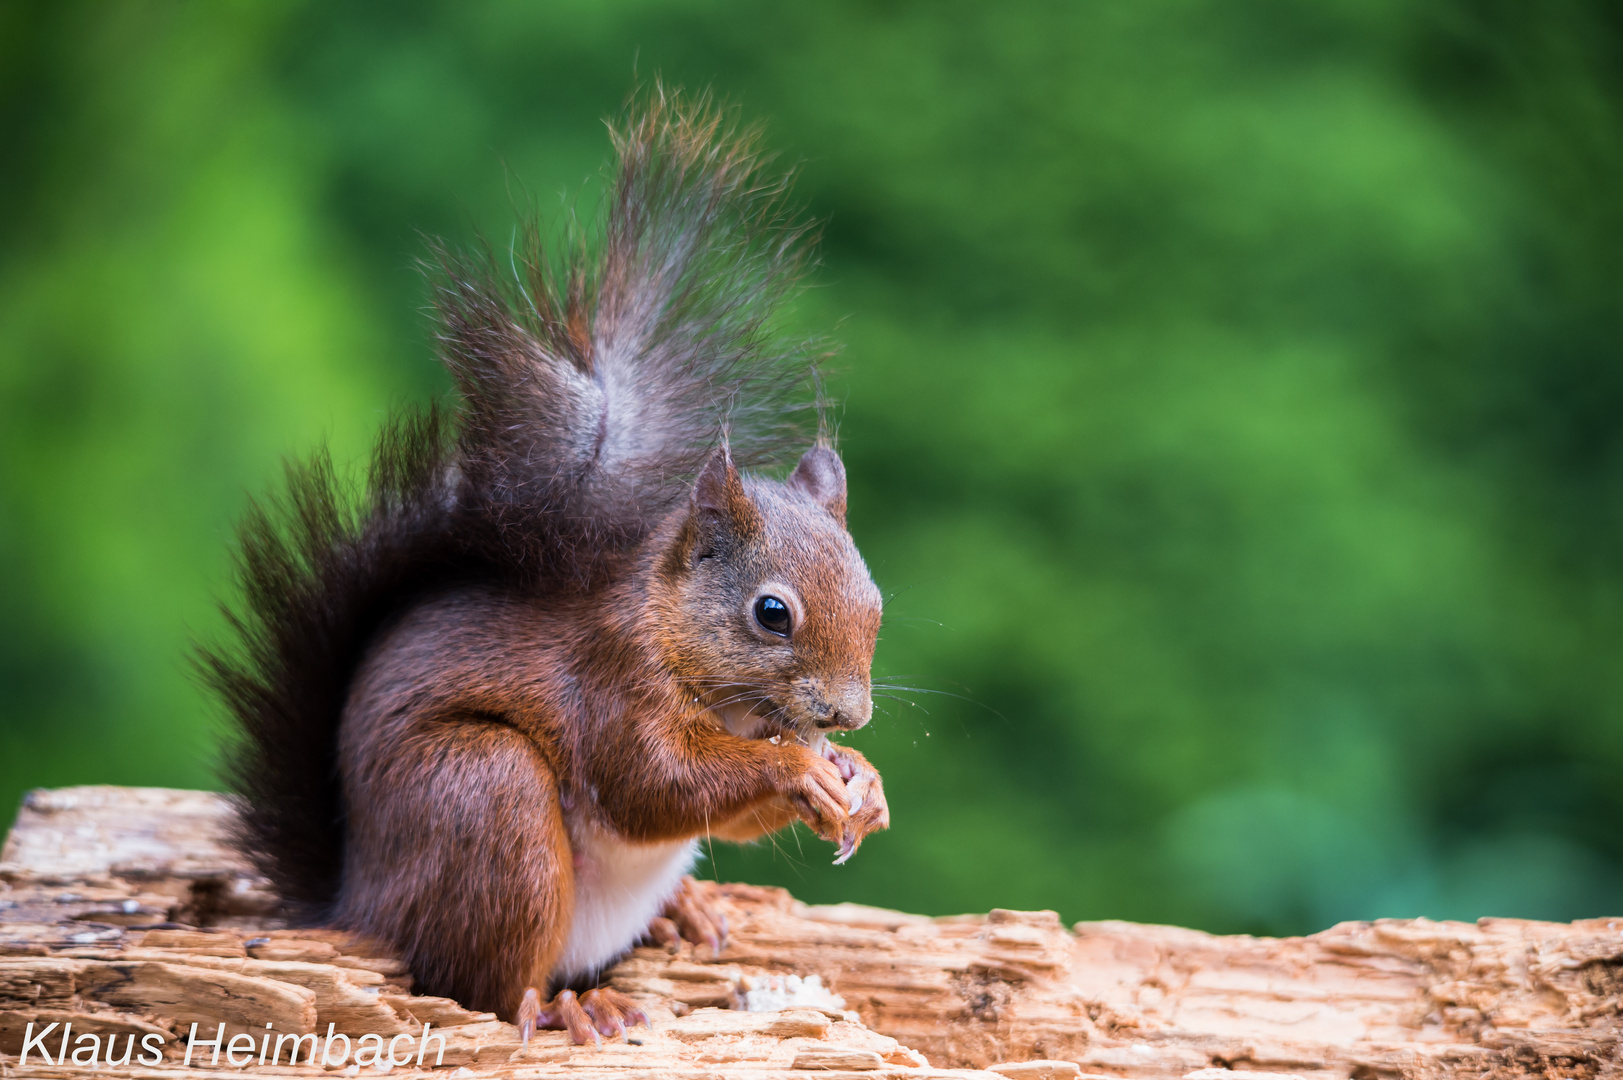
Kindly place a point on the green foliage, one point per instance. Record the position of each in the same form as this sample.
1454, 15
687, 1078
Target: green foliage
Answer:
1233, 403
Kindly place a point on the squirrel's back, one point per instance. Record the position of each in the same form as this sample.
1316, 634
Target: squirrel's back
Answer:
591, 387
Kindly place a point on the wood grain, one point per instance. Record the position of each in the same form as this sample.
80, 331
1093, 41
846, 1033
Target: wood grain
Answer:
87, 873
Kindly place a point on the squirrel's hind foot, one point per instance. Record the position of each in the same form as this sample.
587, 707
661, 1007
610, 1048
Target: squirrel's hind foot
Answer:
595, 1015
691, 915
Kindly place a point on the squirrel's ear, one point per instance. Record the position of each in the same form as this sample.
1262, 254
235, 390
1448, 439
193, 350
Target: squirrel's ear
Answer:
718, 485
821, 474
718, 493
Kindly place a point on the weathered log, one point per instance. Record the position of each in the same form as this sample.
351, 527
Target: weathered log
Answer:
123, 912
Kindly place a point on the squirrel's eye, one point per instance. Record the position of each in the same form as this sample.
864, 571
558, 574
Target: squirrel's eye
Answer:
773, 615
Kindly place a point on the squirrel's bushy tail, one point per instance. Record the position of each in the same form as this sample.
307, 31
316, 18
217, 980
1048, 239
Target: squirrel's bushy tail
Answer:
318, 576
592, 383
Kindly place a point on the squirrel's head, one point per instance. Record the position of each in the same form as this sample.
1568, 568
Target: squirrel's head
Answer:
768, 614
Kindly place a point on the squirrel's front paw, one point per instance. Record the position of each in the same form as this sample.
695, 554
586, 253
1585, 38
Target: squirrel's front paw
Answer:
866, 791
817, 791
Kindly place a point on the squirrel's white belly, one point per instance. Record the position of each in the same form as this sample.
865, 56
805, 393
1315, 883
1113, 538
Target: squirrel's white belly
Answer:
619, 888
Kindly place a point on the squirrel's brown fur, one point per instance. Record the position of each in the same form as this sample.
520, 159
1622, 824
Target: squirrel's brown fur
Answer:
484, 715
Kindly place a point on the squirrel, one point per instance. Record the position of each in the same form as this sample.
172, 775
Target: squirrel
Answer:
486, 712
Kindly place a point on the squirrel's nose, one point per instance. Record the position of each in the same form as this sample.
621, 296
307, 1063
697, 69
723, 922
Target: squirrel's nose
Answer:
853, 707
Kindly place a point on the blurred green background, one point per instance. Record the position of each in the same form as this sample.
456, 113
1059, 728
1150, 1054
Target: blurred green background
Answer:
1234, 402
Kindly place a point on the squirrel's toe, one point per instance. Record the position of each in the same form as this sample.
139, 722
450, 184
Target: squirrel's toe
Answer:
611, 1011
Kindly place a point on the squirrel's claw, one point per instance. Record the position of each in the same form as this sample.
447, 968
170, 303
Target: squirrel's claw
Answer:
529, 1011
848, 847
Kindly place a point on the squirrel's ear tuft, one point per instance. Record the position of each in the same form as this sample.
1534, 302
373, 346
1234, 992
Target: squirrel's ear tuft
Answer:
718, 485
718, 493
821, 474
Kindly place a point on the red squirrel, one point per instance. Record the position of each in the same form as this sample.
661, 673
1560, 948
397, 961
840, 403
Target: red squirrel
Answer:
487, 714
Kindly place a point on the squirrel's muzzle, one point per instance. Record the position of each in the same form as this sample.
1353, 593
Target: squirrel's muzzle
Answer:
848, 708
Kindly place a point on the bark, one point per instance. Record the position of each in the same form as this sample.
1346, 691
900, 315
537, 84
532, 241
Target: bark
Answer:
124, 912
